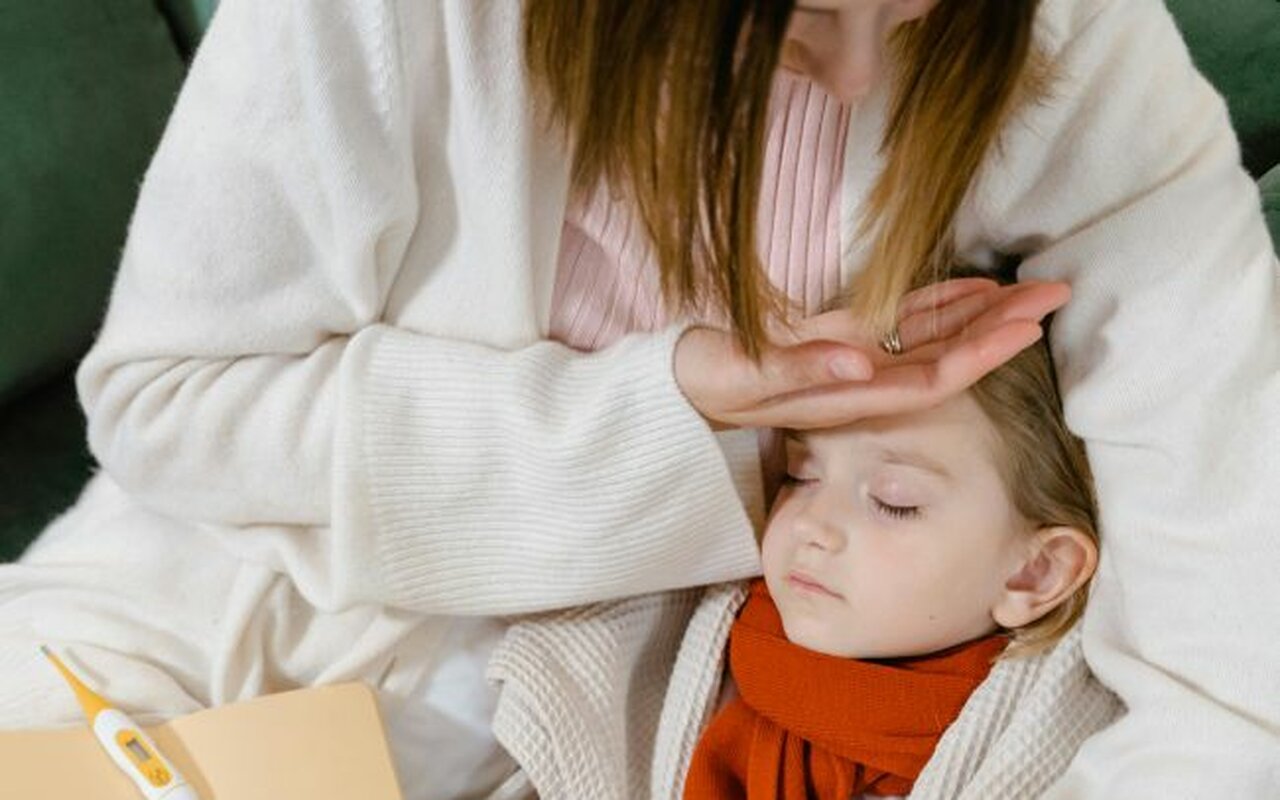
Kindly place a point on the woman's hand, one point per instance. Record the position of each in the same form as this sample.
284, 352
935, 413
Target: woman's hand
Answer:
830, 370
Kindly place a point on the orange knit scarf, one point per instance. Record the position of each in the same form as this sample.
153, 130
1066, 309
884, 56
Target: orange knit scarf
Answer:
809, 726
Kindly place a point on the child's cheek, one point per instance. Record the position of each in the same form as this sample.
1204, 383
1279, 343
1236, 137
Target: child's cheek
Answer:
774, 549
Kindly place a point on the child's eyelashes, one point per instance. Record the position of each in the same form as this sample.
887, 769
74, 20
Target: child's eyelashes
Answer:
880, 506
797, 480
897, 512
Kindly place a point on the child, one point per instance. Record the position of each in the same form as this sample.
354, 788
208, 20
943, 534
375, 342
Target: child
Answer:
904, 555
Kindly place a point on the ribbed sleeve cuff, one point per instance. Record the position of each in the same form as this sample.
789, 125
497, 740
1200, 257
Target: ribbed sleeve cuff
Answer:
485, 481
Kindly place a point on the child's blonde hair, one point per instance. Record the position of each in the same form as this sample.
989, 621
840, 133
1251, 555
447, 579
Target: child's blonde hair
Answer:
1045, 471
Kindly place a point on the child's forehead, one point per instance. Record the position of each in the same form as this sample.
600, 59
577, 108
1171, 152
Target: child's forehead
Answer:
934, 438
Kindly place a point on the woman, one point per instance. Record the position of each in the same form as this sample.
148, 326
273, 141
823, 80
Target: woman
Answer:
323, 397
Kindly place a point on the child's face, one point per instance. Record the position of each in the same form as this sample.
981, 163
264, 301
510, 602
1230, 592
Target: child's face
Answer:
870, 553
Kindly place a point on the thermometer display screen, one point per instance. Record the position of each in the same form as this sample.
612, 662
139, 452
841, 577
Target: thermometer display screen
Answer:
139, 752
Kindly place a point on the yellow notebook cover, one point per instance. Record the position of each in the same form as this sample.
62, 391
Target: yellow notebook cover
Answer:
322, 743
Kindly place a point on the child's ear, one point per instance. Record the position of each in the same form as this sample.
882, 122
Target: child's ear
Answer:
1058, 561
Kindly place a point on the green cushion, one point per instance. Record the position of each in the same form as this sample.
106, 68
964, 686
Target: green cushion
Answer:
84, 94
188, 18
1236, 44
1270, 186
43, 462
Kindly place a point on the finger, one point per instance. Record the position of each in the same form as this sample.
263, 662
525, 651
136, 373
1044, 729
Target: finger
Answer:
923, 384
809, 365
1034, 300
901, 388
989, 330
842, 325
940, 294
910, 388
932, 324
837, 405
838, 325
970, 307
1027, 306
961, 366
978, 313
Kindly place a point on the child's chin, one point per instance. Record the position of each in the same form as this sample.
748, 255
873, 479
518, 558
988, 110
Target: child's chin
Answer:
816, 636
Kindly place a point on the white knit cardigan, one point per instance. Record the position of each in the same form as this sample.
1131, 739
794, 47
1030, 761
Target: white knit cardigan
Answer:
324, 344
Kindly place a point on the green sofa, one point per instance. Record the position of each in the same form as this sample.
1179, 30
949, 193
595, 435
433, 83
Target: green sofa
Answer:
84, 95
85, 91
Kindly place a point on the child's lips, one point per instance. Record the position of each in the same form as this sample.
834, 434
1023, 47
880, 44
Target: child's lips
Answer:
803, 582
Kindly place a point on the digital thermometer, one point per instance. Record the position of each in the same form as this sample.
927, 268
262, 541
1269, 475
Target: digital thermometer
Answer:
131, 749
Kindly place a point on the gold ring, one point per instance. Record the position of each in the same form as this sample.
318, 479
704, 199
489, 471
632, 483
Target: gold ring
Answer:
891, 343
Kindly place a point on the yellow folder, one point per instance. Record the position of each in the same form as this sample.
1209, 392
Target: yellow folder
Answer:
322, 743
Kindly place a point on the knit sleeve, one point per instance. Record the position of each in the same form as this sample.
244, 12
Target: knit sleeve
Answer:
1126, 182
251, 376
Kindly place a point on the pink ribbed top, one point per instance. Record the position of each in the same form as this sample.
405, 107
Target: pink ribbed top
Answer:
607, 281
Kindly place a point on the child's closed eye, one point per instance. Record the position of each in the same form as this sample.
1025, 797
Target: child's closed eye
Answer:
896, 512
791, 479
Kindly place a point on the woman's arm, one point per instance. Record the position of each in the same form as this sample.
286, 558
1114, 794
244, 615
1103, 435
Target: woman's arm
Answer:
1126, 183
345, 195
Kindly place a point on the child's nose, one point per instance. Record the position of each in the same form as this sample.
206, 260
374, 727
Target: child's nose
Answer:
821, 526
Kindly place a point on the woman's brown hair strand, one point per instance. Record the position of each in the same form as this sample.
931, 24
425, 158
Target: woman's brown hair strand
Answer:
667, 101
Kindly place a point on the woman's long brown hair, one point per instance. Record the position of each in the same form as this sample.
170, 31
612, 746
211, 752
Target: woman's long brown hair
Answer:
667, 102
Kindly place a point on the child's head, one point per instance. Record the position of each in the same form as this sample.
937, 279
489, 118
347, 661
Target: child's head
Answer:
905, 535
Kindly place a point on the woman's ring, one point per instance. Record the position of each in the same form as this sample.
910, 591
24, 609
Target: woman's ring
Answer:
891, 343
